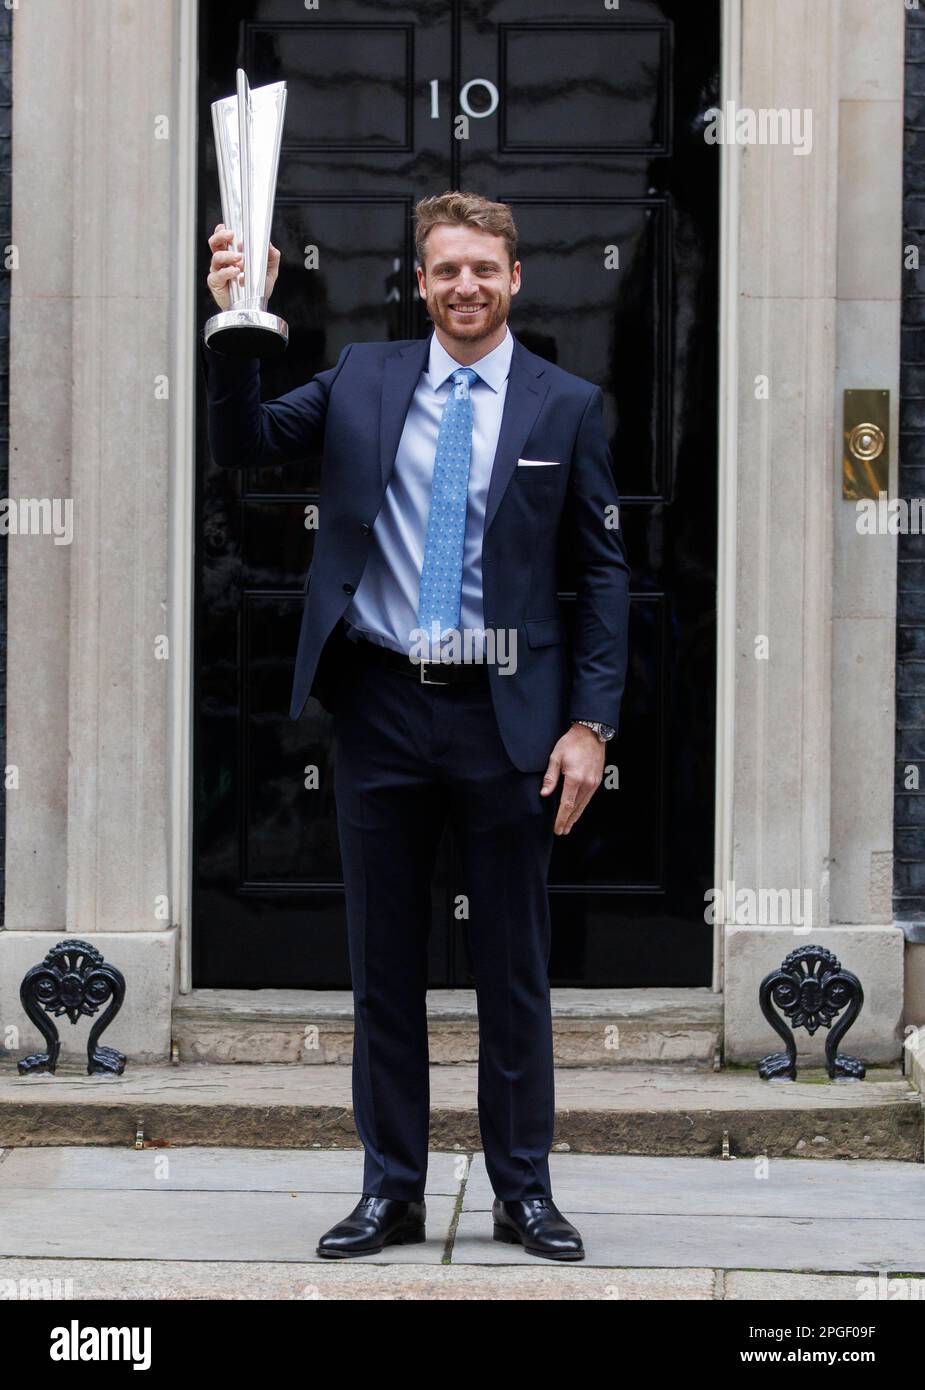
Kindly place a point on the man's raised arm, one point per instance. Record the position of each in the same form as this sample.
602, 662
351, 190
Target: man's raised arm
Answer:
243, 431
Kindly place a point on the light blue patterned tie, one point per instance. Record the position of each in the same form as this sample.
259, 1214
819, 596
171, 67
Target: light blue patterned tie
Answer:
441, 572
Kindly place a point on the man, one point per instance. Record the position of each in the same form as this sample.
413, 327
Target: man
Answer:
452, 467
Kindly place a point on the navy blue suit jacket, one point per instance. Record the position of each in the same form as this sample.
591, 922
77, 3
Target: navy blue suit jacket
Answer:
353, 414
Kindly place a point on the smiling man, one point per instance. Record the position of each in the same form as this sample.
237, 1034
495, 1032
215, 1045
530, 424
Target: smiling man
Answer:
468, 301
453, 469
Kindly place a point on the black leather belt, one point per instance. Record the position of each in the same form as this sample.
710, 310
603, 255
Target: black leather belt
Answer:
425, 672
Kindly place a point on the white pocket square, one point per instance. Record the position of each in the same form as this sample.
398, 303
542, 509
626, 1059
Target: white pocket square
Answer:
537, 463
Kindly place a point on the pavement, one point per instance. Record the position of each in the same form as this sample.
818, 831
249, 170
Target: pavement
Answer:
95, 1222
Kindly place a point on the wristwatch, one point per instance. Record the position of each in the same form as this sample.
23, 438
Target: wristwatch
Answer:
603, 731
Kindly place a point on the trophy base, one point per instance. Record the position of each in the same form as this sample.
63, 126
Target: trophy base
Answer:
247, 333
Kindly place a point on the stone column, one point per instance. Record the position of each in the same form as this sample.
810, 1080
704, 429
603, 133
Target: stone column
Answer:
88, 830
818, 310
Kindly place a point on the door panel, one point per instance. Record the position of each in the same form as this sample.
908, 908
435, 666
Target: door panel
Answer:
592, 130
579, 86
597, 143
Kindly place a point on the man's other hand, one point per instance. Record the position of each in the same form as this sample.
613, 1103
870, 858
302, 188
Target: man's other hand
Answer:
579, 758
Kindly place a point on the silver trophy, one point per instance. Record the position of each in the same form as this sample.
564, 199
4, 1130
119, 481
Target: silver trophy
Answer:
248, 131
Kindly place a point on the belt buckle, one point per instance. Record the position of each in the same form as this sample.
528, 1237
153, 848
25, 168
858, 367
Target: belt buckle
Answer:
424, 680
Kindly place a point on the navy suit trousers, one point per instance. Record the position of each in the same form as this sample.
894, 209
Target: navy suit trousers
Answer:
408, 757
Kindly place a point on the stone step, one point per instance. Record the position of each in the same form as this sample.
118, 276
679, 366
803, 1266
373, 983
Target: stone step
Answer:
598, 1028
654, 1110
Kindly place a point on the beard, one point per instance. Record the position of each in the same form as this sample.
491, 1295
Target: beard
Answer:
482, 327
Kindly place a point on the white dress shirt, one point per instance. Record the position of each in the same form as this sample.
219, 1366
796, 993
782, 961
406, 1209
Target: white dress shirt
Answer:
384, 608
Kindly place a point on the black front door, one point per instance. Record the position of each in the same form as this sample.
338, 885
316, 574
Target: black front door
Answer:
592, 127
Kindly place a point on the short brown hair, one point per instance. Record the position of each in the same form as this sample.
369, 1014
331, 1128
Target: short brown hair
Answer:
464, 209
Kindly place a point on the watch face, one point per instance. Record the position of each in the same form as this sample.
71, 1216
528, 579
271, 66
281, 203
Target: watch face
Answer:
603, 731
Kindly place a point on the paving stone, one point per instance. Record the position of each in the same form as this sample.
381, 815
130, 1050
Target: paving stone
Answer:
366, 1280
697, 1212
181, 1225
623, 1183
358, 1279
769, 1285
725, 1242
206, 1170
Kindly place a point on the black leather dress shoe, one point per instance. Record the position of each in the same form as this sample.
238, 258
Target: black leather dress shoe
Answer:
537, 1224
373, 1223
